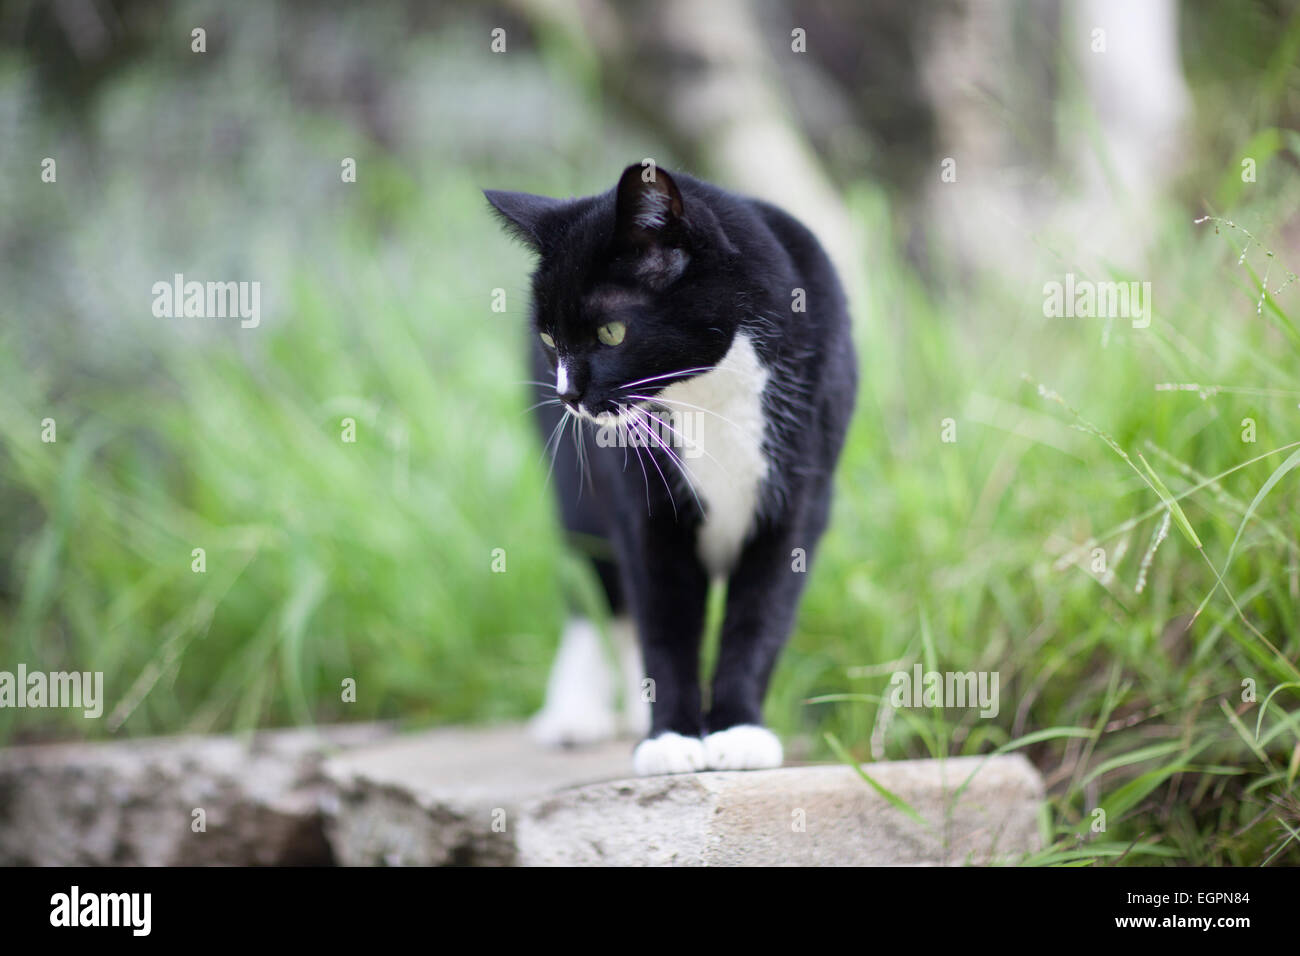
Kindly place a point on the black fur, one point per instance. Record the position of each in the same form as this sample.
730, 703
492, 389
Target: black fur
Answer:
686, 266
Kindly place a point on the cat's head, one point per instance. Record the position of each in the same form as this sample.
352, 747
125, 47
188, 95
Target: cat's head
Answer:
634, 289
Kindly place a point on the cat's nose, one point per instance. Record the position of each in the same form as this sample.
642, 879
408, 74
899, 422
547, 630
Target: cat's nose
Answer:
565, 388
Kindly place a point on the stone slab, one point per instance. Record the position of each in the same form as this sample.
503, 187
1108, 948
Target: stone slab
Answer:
366, 795
132, 802
452, 795
795, 816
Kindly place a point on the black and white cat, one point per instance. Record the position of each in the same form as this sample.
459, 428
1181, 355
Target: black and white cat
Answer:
703, 376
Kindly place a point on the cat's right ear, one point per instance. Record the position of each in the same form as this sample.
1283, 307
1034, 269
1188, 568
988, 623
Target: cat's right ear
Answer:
523, 214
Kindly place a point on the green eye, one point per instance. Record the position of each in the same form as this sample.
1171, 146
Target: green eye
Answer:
611, 334
547, 340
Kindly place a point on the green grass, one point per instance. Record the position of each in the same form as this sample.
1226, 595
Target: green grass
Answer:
372, 560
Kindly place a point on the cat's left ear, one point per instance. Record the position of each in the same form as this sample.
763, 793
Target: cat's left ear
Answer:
524, 215
649, 224
649, 207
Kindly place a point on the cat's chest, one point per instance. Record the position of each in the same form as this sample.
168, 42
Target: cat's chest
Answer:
721, 424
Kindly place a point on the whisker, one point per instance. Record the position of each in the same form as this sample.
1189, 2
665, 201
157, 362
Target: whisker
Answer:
584, 457
685, 443
554, 454
681, 467
546, 401
644, 476
656, 378
655, 462
577, 448
677, 401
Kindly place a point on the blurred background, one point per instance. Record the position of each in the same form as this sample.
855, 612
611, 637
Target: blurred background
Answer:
955, 157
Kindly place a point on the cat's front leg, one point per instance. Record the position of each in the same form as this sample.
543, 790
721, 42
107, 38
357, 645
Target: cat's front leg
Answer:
670, 592
762, 598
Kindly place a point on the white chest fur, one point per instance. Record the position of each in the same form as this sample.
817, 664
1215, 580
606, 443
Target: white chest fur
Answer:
720, 416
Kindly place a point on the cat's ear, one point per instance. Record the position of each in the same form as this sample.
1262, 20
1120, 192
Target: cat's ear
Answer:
649, 207
649, 225
523, 214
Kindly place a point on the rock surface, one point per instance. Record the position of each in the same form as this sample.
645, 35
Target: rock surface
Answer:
451, 796
133, 802
365, 795
794, 816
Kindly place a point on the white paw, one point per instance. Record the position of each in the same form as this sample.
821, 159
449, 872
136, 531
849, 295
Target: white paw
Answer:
668, 753
579, 707
743, 747
573, 726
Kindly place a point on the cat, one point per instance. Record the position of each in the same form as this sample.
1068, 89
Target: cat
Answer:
695, 375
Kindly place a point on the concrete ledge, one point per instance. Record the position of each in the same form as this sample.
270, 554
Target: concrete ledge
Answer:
132, 802
795, 816
451, 796
363, 795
